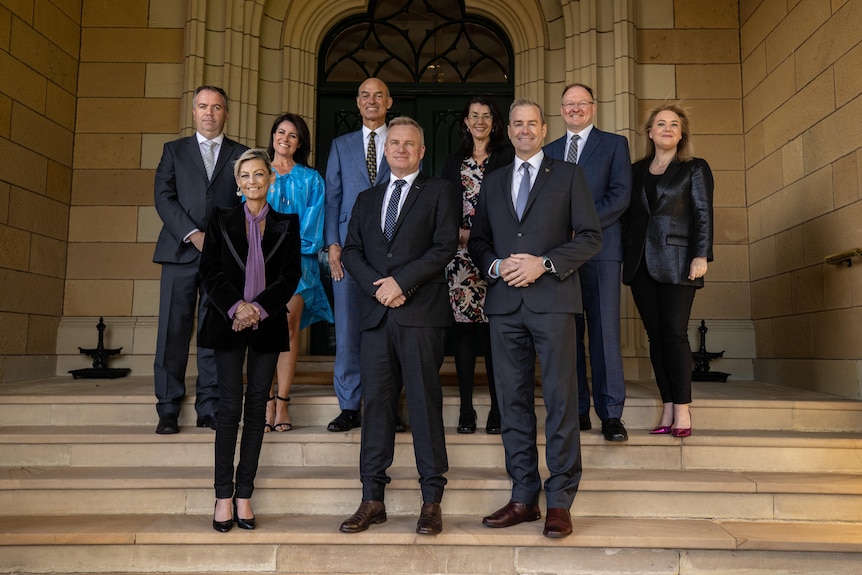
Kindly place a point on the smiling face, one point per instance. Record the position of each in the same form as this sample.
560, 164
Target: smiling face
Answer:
254, 180
479, 121
666, 131
285, 140
526, 130
209, 113
404, 149
373, 102
577, 108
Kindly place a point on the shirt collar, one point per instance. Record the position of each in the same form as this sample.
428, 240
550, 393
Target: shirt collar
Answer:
218, 139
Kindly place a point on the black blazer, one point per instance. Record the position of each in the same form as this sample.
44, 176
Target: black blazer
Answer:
676, 230
559, 222
425, 240
222, 273
452, 164
185, 198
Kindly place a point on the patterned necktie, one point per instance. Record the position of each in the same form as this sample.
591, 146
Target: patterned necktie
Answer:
209, 158
572, 156
523, 190
392, 210
371, 159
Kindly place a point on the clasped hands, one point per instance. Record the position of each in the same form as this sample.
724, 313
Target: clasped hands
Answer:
246, 315
389, 292
521, 270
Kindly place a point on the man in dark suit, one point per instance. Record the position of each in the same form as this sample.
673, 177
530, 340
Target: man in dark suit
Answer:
402, 233
535, 225
195, 175
605, 160
356, 162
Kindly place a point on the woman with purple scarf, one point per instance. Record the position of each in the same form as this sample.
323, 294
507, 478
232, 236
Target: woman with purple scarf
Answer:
250, 268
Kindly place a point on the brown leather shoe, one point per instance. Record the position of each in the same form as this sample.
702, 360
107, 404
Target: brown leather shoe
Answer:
430, 519
558, 523
512, 514
369, 513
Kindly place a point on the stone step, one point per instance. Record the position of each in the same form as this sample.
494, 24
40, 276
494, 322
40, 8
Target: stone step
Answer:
641, 493
312, 544
735, 405
112, 445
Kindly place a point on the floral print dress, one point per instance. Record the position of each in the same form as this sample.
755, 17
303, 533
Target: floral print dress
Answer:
466, 286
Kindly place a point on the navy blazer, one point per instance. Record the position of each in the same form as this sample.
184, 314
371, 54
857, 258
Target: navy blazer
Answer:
424, 241
559, 222
222, 273
607, 165
185, 198
677, 229
346, 178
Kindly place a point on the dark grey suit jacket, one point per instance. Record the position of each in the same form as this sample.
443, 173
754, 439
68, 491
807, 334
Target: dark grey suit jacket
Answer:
425, 240
676, 230
559, 222
184, 197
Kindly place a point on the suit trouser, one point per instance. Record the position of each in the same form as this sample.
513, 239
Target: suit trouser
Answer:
261, 368
347, 297
665, 310
178, 298
517, 338
393, 356
600, 289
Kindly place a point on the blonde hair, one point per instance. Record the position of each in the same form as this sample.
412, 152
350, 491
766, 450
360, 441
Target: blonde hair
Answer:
252, 154
684, 150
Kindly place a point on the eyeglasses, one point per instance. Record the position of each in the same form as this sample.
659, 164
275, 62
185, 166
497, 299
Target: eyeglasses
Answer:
477, 117
579, 105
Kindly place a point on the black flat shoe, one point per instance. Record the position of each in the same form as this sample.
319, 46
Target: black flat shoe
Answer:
467, 421
400, 427
240, 522
168, 424
346, 420
223, 526
492, 426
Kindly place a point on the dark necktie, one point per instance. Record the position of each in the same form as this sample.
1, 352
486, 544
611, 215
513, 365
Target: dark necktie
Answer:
371, 159
392, 210
523, 190
572, 156
209, 158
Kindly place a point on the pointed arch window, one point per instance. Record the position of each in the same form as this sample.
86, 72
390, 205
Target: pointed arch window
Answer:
417, 41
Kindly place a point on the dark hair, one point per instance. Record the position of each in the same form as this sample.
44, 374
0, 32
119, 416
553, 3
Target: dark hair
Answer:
211, 88
684, 151
578, 85
252, 154
300, 156
498, 134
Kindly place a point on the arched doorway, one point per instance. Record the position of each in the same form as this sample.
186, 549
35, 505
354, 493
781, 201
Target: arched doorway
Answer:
432, 54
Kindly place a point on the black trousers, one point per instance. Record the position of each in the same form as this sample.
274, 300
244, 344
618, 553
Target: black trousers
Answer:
261, 368
665, 310
393, 356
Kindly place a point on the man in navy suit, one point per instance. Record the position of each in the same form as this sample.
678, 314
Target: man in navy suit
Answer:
402, 233
604, 158
535, 225
356, 163
195, 175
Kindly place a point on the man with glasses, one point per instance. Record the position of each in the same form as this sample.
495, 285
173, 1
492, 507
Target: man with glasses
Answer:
605, 160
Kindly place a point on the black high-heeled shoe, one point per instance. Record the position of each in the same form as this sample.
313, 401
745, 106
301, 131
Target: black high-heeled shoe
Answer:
223, 526
467, 421
240, 522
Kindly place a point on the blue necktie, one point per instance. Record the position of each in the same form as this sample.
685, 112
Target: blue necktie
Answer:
523, 190
392, 210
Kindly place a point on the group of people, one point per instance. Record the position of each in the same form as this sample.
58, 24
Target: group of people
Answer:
520, 247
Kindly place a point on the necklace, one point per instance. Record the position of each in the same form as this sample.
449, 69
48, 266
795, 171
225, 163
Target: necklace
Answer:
660, 165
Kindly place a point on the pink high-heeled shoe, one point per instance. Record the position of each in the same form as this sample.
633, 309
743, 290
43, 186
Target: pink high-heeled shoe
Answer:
661, 430
682, 431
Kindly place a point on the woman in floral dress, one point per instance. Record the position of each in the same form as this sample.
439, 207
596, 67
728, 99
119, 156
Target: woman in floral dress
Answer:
484, 147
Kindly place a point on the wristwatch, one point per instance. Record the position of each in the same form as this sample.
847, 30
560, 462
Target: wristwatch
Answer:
549, 265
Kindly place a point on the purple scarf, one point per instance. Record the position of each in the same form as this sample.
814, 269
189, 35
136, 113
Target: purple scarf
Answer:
255, 273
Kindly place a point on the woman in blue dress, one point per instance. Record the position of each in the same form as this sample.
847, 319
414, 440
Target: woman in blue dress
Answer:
298, 189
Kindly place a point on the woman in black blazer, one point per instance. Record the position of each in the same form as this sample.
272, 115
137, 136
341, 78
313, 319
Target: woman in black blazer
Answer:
484, 148
668, 242
250, 268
